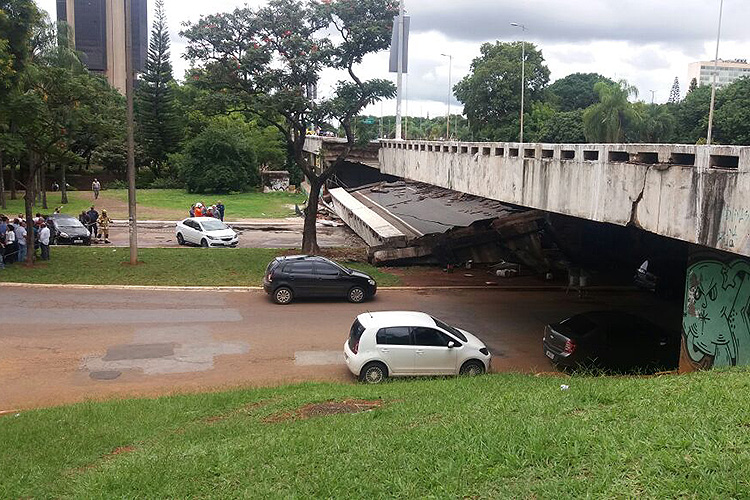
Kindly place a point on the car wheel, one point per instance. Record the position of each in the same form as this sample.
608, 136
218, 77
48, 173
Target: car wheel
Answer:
180, 239
472, 368
373, 373
204, 243
283, 295
356, 295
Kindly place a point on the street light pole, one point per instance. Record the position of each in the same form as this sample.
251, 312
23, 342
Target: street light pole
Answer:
130, 126
713, 83
400, 59
450, 92
523, 72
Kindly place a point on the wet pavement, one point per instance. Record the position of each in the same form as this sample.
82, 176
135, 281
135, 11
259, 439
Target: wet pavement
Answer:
60, 346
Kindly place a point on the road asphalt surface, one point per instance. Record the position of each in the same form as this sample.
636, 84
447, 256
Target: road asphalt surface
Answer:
60, 345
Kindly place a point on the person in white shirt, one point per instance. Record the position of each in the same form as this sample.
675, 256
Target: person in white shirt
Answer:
21, 241
44, 235
11, 249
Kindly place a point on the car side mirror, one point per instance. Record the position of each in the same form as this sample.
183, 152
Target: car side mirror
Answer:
451, 344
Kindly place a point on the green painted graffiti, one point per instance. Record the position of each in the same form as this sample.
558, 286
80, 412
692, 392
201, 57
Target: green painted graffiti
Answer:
716, 320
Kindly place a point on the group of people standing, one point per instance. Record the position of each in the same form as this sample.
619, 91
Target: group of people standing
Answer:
201, 210
97, 225
13, 238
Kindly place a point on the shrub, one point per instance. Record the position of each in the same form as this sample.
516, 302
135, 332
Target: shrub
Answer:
117, 184
218, 160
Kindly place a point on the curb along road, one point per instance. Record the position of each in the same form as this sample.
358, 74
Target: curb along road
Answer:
229, 289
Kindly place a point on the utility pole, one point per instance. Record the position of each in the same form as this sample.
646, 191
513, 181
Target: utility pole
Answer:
130, 73
653, 93
399, 82
523, 72
713, 83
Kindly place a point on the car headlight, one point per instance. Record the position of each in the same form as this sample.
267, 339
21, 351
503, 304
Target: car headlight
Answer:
371, 282
211, 237
64, 235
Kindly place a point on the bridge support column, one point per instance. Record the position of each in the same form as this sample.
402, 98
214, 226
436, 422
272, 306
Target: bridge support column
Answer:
716, 315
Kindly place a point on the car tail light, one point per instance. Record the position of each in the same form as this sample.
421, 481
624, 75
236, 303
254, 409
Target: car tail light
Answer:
270, 277
570, 347
355, 348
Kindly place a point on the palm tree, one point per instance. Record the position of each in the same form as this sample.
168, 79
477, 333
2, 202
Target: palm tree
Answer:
607, 120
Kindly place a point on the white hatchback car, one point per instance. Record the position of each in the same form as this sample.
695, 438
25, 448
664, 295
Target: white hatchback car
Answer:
402, 344
206, 232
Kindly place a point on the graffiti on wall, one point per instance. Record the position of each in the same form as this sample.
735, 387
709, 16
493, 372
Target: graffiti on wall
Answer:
716, 320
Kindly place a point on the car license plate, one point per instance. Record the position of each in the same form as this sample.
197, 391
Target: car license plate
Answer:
549, 354
78, 241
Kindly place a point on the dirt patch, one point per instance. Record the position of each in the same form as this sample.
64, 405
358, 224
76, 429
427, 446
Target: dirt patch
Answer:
120, 450
326, 409
246, 409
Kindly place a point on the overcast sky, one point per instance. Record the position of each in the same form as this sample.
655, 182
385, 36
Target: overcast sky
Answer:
647, 42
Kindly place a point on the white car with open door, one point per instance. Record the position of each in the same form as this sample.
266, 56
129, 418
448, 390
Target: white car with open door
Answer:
206, 232
402, 344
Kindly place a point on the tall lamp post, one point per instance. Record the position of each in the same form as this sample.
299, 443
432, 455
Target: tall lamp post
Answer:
129, 84
713, 83
523, 72
450, 92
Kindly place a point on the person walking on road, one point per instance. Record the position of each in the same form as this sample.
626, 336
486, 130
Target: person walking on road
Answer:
44, 235
104, 222
93, 218
96, 187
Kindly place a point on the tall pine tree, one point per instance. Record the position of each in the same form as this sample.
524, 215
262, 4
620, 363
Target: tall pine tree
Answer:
674, 94
159, 123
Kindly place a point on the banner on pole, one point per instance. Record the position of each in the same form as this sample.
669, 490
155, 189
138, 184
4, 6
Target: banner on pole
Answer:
393, 67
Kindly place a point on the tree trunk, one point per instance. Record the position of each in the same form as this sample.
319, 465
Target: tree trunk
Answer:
43, 182
13, 194
3, 203
310, 232
63, 183
29, 202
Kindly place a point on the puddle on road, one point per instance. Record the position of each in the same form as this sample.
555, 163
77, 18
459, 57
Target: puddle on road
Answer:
318, 358
158, 351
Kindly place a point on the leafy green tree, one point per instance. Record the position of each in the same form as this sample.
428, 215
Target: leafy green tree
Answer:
219, 160
564, 128
692, 116
159, 125
732, 118
693, 85
491, 92
609, 119
262, 63
576, 91
656, 123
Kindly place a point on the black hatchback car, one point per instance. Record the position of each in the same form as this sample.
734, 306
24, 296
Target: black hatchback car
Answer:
288, 278
611, 341
67, 230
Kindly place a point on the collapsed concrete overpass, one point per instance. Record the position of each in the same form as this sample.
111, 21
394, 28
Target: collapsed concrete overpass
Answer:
697, 194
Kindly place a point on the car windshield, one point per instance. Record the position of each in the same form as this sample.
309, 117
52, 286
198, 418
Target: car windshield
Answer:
69, 223
213, 225
448, 328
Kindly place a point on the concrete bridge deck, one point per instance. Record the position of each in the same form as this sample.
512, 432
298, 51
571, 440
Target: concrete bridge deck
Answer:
698, 194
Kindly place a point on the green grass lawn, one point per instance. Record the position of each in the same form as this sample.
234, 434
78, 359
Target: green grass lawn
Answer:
498, 436
238, 206
161, 266
170, 204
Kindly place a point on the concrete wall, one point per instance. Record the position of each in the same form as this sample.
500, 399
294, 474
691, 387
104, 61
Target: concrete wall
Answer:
697, 194
716, 319
375, 230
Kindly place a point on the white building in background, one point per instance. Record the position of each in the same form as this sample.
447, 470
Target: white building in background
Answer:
728, 72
